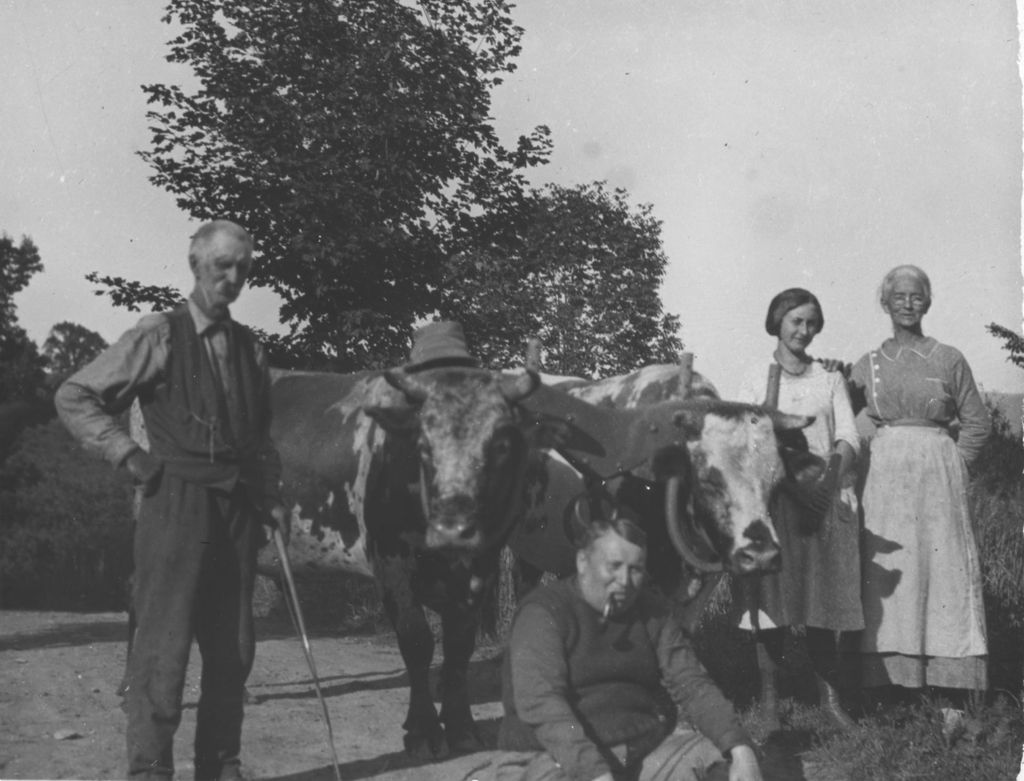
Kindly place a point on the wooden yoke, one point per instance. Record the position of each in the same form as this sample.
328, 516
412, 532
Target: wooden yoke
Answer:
685, 375
771, 395
533, 347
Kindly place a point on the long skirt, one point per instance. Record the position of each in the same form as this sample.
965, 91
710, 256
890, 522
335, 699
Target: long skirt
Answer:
923, 610
819, 583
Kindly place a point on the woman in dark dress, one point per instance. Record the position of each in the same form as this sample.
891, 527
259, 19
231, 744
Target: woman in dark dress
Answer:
817, 591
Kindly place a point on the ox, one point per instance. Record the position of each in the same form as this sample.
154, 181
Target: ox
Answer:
414, 479
696, 471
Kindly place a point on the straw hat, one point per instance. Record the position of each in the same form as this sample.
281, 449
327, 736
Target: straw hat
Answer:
439, 344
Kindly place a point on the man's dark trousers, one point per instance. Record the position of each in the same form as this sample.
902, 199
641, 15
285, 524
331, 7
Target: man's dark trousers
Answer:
195, 566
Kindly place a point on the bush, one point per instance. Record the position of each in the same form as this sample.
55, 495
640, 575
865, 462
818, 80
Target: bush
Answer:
342, 602
65, 524
1001, 463
996, 496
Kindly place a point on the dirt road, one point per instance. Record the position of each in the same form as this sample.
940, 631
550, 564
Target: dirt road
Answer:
59, 673
60, 716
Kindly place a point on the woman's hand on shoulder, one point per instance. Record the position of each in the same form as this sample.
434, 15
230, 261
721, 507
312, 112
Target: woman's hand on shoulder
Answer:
836, 365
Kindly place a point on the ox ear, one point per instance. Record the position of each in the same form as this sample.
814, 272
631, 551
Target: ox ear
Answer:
517, 387
395, 420
783, 421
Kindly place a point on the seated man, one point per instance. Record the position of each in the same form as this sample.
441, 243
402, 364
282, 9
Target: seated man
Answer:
594, 664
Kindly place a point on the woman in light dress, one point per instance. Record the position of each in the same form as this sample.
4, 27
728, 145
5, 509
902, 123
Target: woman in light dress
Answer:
922, 592
818, 587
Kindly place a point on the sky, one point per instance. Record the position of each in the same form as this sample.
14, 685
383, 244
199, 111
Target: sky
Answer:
811, 143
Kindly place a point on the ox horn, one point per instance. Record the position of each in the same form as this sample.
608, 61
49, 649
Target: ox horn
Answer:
675, 530
399, 379
685, 375
520, 386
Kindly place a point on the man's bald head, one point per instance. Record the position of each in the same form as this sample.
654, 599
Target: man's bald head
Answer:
220, 257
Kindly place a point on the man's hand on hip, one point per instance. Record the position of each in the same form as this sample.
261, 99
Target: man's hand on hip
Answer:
144, 469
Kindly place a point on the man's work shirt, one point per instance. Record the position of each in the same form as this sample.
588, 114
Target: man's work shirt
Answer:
90, 400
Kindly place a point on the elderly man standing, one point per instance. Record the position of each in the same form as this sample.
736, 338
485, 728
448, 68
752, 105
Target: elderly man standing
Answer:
595, 671
209, 482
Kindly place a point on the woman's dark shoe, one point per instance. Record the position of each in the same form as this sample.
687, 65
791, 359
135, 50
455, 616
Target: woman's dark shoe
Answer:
828, 700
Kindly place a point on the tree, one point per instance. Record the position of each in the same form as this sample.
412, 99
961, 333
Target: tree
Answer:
353, 139
70, 346
1013, 343
21, 368
585, 278
133, 295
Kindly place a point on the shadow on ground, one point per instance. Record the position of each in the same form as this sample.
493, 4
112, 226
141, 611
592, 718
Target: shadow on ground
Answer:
113, 630
84, 633
397, 761
484, 684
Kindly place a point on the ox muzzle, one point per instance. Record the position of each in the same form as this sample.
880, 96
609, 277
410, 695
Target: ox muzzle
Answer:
453, 524
758, 553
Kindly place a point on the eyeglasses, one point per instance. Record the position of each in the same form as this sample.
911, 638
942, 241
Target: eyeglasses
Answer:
902, 298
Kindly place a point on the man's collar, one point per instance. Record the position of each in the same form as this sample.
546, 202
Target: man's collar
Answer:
203, 321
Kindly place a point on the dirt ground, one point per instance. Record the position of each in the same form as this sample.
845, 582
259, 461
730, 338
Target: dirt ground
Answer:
60, 716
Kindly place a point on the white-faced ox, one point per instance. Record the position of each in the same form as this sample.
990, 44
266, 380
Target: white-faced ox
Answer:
696, 473
413, 479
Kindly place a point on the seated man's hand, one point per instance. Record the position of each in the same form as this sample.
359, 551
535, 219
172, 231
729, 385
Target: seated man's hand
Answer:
280, 521
744, 765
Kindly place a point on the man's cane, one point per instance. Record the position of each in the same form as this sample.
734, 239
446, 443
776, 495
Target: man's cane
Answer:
293, 597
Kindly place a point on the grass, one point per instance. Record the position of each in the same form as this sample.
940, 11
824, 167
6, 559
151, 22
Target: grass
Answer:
902, 743
907, 743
